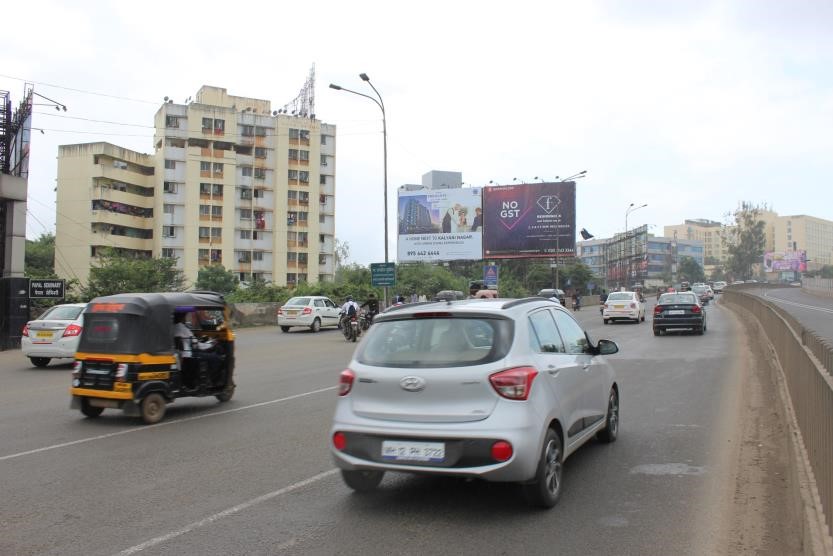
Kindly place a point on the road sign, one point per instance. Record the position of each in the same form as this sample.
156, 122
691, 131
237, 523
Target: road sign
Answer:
46, 289
490, 276
382, 274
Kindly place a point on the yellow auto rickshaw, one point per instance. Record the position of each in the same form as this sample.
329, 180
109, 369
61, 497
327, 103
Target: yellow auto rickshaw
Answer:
134, 356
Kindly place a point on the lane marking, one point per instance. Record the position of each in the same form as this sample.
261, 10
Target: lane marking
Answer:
813, 307
163, 424
225, 513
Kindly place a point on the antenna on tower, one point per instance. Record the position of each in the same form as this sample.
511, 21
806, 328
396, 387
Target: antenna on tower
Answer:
304, 104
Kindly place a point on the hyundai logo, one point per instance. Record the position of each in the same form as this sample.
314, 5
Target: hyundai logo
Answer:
412, 383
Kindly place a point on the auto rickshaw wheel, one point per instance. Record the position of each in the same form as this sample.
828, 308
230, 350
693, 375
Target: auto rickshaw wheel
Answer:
88, 410
153, 408
225, 395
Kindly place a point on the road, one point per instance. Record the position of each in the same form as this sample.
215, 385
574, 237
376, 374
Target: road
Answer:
813, 312
254, 476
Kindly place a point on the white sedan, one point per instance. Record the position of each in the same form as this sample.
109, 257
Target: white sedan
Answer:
54, 335
311, 311
624, 306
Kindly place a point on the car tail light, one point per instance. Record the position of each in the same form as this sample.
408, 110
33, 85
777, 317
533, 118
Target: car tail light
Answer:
339, 441
72, 330
514, 384
605, 305
121, 372
280, 311
695, 309
307, 310
25, 331
345, 382
633, 305
501, 450
658, 309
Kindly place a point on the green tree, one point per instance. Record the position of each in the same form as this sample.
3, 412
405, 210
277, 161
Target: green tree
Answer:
691, 271
39, 260
747, 249
216, 278
113, 273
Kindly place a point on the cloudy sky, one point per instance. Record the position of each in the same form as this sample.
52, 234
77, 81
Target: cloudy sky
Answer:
688, 106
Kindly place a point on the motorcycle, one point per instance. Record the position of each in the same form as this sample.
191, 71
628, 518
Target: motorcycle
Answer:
577, 304
354, 328
365, 320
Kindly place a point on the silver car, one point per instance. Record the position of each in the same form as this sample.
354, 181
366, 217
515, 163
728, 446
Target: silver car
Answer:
502, 390
54, 335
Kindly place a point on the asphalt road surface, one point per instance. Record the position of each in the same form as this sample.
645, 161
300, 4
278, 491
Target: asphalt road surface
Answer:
254, 476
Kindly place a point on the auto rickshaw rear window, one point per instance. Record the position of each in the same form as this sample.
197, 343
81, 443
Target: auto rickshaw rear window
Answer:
102, 330
107, 307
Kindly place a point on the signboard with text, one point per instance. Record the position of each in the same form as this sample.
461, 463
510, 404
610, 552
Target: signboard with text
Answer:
382, 274
46, 289
529, 220
776, 261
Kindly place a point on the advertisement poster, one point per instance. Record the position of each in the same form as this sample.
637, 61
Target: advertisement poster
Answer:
440, 225
777, 261
530, 220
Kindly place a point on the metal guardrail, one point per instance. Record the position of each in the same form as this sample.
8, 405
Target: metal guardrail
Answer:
806, 361
818, 286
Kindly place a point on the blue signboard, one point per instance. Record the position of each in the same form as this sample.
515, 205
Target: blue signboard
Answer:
490, 276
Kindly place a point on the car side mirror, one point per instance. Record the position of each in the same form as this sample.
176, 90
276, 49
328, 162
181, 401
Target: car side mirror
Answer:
607, 347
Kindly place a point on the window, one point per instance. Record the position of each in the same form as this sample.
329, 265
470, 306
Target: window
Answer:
291, 257
292, 174
218, 169
206, 125
302, 238
322, 179
205, 166
545, 337
323, 160
260, 131
246, 194
292, 195
202, 254
260, 152
167, 253
258, 235
321, 238
168, 231
322, 259
168, 209
245, 214
260, 173
216, 232
204, 232
259, 193
245, 234
244, 257
303, 196
205, 189
291, 217
205, 210
219, 127
247, 130
322, 219
171, 121
293, 154
169, 187
574, 338
217, 211
170, 164
293, 133
247, 171
217, 189
302, 277
304, 135
302, 258
303, 176
304, 155
291, 278
323, 139
257, 255
302, 217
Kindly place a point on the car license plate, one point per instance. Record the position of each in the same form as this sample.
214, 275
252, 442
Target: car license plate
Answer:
676, 312
292, 313
45, 334
618, 306
398, 450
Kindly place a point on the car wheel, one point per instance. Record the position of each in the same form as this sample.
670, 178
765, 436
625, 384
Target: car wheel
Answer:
643, 317
362, 481
657, 332
545, 490
607, 321
88, 410
611, 430
700, 330
39, 361
284, 329
153, 408
225, 395
316, 325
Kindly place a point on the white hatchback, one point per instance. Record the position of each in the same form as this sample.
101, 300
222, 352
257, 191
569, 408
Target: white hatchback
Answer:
624, 306
54, 335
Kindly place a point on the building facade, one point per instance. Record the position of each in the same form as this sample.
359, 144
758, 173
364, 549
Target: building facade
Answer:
714, 236
231, 182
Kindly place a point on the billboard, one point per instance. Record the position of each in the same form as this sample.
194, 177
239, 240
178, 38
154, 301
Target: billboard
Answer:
529, 220
440, 225
777, 261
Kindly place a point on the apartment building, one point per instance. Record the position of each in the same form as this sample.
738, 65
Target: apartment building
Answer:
713, 235
231, 182
804, 233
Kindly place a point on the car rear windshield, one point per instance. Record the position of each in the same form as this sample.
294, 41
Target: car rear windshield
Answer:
436, 342
62, 312
298, 301
675, 298
620, 296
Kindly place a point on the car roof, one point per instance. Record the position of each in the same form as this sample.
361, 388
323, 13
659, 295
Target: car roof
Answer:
471, 306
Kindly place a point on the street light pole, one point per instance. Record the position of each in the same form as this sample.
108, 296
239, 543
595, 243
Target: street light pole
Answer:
381, 104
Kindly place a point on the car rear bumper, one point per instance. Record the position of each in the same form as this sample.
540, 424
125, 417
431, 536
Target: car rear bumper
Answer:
62, 349
684, 322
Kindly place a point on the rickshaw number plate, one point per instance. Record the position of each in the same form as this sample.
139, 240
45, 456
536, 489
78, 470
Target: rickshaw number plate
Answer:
98, 402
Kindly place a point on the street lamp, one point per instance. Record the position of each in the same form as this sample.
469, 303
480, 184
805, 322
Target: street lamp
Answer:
631, 208
381, 104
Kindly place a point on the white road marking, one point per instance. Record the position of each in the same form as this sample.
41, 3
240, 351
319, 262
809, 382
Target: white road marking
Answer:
225, 513
793, 303
163, 424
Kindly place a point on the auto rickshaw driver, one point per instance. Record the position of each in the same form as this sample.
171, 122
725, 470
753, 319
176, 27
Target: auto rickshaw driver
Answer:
192, 351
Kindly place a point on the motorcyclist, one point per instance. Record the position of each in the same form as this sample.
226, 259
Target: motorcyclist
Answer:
602, 299
372, 305
348, 311
576, 301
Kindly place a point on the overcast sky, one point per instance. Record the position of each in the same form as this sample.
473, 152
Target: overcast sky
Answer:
690, 107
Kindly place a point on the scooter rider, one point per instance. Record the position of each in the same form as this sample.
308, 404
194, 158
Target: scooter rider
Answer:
349, 309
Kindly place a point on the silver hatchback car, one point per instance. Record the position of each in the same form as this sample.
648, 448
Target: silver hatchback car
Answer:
502, 390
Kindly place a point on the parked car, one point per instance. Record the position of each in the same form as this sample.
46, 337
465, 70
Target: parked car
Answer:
53, 335
312, 311
624, 306
549, 293
679, 311
718, 287
501, 390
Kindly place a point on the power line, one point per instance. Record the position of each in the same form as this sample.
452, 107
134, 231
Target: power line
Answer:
91, 120
78, 90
